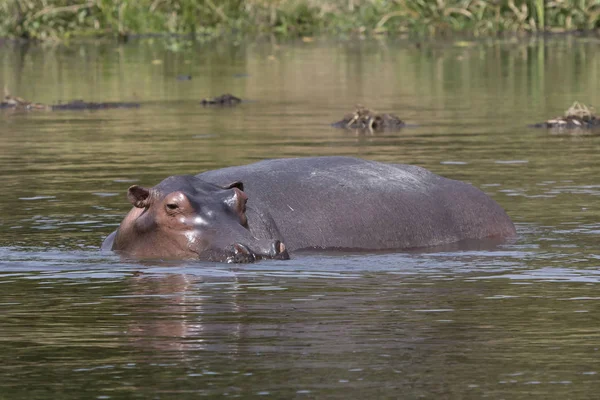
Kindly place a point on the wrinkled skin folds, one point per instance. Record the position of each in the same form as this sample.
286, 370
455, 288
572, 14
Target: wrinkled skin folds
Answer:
285, 205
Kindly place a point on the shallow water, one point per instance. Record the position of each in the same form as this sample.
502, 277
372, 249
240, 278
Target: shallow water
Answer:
514, 321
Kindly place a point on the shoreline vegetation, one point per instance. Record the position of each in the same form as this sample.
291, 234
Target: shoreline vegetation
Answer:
53, 20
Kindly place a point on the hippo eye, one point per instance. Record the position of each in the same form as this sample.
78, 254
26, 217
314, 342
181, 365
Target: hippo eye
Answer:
172, 206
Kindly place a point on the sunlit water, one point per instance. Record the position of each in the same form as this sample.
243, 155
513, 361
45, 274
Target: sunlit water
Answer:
516, 321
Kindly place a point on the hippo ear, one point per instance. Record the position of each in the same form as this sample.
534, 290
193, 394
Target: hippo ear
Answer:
238, 200
236, 184
138, 196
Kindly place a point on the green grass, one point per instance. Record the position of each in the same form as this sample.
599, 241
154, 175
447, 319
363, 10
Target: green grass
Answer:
59, 19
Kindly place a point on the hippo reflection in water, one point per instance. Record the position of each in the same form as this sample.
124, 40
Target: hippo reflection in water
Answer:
270, 208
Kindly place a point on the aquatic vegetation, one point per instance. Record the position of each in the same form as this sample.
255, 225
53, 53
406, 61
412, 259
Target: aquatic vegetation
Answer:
17, 103
479, 17
579, 111
57, 19
576, 117
568, 14
368, 121
54, 19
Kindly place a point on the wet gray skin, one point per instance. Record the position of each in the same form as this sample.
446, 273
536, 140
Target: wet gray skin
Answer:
323, 203
184, 217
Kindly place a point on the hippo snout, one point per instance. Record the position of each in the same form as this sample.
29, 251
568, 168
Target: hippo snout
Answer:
264, 249
277, 250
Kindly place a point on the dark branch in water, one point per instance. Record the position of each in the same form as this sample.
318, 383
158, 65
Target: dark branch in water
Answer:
222, 100
82, 105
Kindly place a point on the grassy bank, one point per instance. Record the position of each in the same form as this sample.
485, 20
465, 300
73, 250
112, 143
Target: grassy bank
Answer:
57, 19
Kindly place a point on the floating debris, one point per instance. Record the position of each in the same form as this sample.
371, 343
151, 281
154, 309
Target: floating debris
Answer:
222, 100
84, 105
366, 120
17, 103
578, 116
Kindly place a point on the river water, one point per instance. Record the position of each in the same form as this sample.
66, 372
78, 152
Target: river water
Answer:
516, 321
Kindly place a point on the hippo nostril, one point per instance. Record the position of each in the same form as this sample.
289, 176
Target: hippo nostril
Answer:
241, 254
275, 248
239, 248
279, 251
269, 249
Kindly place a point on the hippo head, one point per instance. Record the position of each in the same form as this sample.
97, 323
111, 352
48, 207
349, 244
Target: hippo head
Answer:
184, 217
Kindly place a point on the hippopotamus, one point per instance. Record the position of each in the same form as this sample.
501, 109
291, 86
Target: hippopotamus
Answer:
274, 208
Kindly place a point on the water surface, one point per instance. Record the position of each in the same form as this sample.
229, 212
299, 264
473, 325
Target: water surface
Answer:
514, 321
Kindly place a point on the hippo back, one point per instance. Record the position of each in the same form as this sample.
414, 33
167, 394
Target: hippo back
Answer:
348, 203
